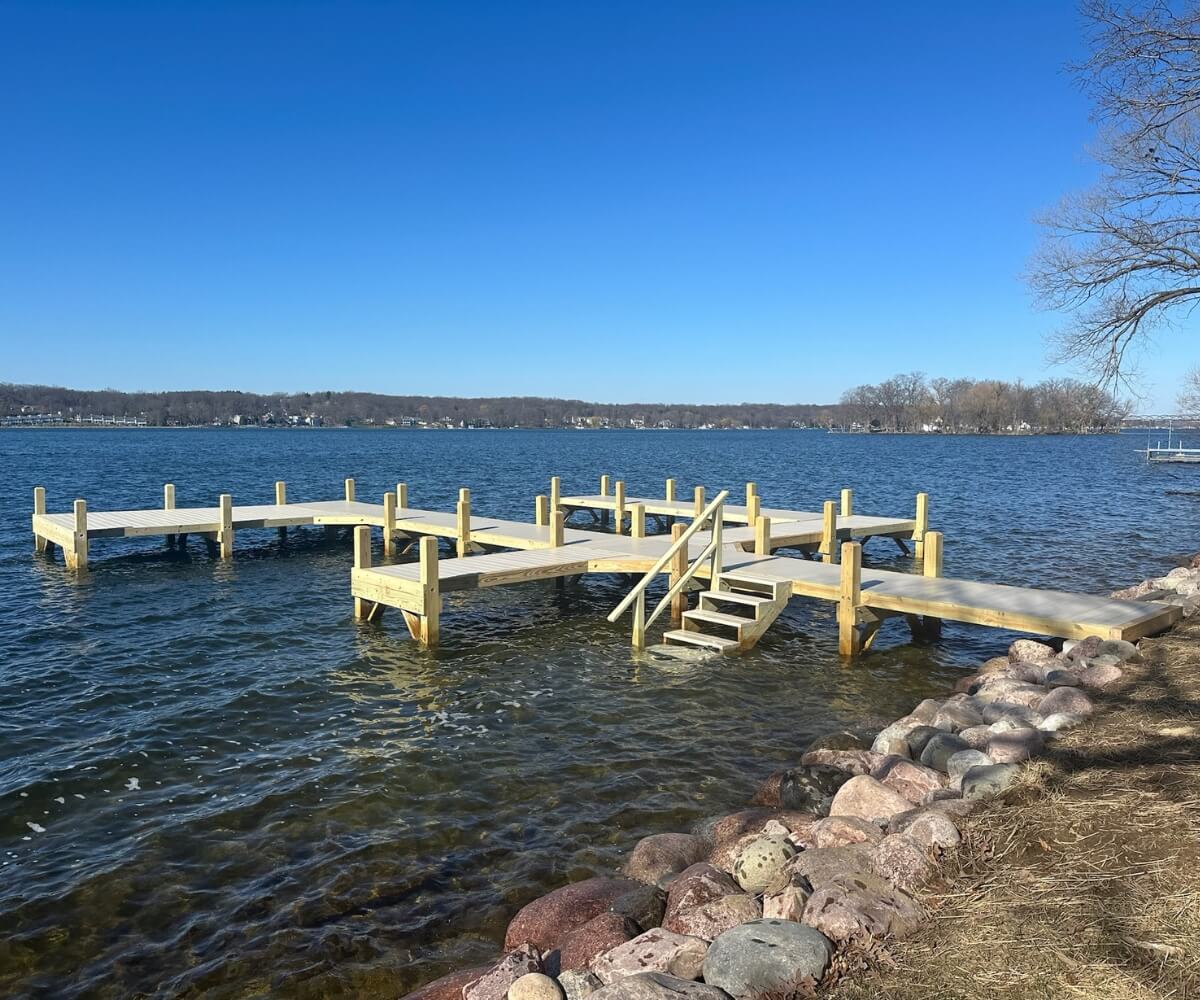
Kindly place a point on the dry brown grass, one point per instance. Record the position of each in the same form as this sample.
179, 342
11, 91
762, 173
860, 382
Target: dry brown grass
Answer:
1084, 881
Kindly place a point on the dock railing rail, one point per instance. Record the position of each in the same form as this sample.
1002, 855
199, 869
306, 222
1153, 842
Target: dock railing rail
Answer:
711, 554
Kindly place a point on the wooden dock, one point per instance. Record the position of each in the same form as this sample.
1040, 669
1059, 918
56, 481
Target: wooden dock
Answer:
728, 555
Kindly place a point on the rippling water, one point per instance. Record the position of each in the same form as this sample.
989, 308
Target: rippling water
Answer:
213, 782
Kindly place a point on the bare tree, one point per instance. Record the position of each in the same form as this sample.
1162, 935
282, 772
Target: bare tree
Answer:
1124, 257
1189, 398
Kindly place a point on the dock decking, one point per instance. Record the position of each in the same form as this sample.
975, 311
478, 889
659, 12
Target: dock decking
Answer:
741, 564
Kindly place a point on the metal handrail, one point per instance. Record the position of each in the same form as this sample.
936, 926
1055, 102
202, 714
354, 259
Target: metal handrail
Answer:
714, 512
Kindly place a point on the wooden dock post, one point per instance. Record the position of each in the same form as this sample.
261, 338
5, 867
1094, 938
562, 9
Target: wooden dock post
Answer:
401, 496
604, 487
829, 533
169, 504
362, 560
77, 555
670, 491
619, 512
637, 520
751, 492
753, 508
679, 564
558, 521
931, 628
464, 522
541, 511
349, 490
922, 525
849, 598
225, 532
281, 501
39, 509
698, 502
431, 595
847, 503
762, 536
389, 525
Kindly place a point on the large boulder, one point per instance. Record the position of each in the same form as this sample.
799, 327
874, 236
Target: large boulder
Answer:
721, 831
983, 782
956, 716
664, 853
929, 827
838, 831
862, 907
1100, 676
1069, 701
1015, 746
448, 987
767, 958
869, 799
657, 986
1004, 689
810, 789
788, 903
940, 749
1122, 649
709, 919
760, 865
926, 711
697, 885
535, 986
1030, 650
919, 738
903, 861
850, 761
824, 864
964, 760
1058, 722
912, 780
840, 739
598, 935
548, 919
658, 950
577, 984
494, 983
976, 737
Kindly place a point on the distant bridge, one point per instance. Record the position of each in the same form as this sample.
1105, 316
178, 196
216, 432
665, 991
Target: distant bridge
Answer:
1179, 421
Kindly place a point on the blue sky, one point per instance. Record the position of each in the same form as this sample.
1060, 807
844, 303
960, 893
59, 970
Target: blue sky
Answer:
618, 201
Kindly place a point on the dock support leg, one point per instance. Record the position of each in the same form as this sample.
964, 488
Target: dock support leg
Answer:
679, 564
637, 521
349, 490
169, 504
464, 522
698, 503
829, 533
401, 496
555, 493
225, 535
670, 498
762, 536
557, 529
39, 510
77, 554
922, 525
930, 627
431, 596
847, 503
619, 512
604, 518
753, 507
849, 598
389, 525
362, 560
541, 511
281, 501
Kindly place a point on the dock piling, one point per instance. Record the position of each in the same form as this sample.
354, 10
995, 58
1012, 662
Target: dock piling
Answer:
698, 502
225, 532
362, 560
847, 503
463, 511
541, 510
39, 509
751, 492
401, 496
829, 532
349, 490
431, 597
670, 491
753, 508
169, 504
557, 522
281, 501
389, 525
604, 485
922, 525
619, 512
637, 521
77, 555
679, 564
762, 536
849, 598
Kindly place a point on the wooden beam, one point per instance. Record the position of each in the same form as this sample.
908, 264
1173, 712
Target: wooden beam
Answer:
849, 599
922, 526
829, 533
362, 560
39, 510
847, 503
637, 520
762, 536
389, 525
619, 512
401, 496
670, 492
225, 532
679, 564
464, 522
541, 511
431, 597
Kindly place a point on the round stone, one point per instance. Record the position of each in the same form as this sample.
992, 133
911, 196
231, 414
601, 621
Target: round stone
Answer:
766, 957
760, 865
535, 986
960, 763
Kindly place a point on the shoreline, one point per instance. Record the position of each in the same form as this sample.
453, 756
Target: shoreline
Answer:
831, 863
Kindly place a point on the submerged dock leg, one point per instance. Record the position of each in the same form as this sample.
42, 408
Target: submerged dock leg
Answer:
169, 504
225, 534
423, 625
281, 501
849, 597
39, 509
77, 555
604, 518
362, 560
679, 563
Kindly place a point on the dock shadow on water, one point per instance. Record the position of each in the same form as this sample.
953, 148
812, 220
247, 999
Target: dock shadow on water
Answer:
213, 782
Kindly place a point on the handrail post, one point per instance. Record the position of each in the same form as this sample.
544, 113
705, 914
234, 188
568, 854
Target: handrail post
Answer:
555, 493
541, 510
464, 522
389, 524
762, 536
849, 599
922, 524
637, 521
829, 533
718, 560
847, 503
679, 562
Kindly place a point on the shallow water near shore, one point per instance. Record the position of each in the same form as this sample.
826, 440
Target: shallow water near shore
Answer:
213, 782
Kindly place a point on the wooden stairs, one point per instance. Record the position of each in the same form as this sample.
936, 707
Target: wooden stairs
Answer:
733, 616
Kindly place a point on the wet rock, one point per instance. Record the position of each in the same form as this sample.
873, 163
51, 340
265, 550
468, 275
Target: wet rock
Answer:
494, 984
996, 665
839, 831
535, 986
546, 921
912, 780
926, 711
1058, 722
696, 886
1016, 746
787, 904
724, 830
869, 799
841, 739
964, 760
957, 716
659, 950
824, 864
449, 987
982, 782
643, 905
930, 828
577, 984
810, 789
710, 919
862, 907
760, 865
976, 737
902, 861
656, 855
767, 958
1071, 701
600, 934
918, 740
658, 986
1028, 649
966, 684
940, 749
850, 761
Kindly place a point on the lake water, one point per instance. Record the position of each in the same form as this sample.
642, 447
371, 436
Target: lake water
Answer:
213, 782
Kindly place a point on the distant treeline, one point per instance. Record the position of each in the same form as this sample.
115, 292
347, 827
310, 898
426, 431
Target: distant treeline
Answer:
986, 406
902, 403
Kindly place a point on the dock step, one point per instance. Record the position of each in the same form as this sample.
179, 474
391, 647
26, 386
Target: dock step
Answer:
716, 642
733, 597
738, 581
716, 618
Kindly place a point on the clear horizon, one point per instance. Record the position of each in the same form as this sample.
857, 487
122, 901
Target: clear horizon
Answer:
684, 203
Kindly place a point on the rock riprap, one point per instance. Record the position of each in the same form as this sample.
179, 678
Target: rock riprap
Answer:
760, 865
659, 950
767, 957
